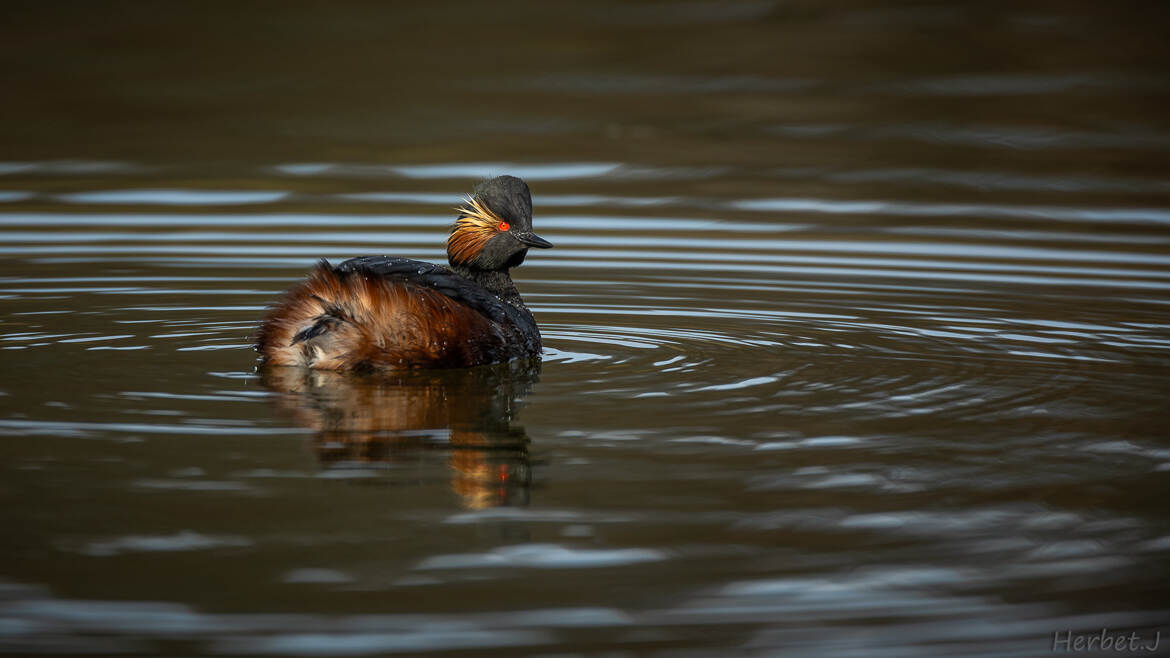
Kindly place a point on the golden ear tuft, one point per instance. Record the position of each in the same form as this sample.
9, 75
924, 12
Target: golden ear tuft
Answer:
474, 227
477, 213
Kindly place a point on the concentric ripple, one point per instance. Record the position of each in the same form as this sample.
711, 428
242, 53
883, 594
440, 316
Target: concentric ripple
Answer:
742, 307
719, 371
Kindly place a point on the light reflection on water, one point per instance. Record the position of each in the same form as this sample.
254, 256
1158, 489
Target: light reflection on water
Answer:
921, 419
857, 336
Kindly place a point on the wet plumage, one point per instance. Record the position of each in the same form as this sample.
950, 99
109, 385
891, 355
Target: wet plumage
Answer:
377, 312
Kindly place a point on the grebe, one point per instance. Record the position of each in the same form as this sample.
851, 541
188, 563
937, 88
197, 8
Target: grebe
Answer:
380, 313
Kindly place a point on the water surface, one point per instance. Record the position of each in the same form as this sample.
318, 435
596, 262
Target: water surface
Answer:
857, 331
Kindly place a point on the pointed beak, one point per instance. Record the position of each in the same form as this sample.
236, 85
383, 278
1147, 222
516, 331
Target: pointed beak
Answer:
533, 240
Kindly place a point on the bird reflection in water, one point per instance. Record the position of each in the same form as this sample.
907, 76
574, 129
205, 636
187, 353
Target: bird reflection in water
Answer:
398, 419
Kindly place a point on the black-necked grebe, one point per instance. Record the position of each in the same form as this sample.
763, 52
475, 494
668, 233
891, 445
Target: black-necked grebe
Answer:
380, 313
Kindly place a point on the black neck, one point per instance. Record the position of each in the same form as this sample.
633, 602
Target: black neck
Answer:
497, 281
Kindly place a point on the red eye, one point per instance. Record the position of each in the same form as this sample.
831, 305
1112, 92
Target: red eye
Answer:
504, 226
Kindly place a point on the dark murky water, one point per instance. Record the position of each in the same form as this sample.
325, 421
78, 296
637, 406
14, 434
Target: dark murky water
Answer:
857, 330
